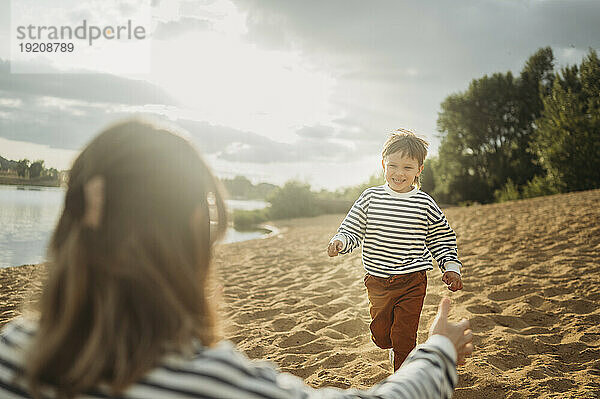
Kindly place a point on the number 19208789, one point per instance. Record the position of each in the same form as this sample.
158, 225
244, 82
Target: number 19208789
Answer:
49, 47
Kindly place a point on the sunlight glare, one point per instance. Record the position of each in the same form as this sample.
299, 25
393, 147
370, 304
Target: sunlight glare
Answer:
231, 82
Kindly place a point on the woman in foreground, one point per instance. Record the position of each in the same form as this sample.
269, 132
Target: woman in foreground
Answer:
126, 310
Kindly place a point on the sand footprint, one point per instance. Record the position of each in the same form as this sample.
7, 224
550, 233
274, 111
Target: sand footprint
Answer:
323, 299
337, 360
558, 384
319, 346
506, 362
351, 328
331, 309
578, 306
589, 355
506, 295
329, 378
316, 325
592, 338
554, 291
297, 339
537, 318
482, 309
481, 324
328, 332
283, 323
510, 321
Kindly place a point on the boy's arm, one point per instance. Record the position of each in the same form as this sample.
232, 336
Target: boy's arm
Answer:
352, 230
441, 240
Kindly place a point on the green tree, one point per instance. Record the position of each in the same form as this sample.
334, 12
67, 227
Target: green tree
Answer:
567, 141
53, 173
509, 192
474, 125
292, 200
261, 190
427, 176
534, 84
23, 167
239, 186
36, 169
486, 130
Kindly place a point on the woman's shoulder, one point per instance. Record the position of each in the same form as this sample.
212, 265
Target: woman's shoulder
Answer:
219, 371
15, 338
18, 332
224, 357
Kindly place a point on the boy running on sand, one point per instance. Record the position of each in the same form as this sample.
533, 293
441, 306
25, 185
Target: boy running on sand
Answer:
400, 227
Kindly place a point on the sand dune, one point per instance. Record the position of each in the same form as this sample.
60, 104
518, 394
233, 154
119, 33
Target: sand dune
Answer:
532, 293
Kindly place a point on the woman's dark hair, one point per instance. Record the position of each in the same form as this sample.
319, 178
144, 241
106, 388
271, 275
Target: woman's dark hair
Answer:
124, 292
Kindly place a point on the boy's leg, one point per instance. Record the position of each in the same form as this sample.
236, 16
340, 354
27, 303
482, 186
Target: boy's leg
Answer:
381, 307
407, 311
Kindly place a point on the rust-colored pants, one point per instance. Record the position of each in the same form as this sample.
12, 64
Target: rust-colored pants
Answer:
396, 304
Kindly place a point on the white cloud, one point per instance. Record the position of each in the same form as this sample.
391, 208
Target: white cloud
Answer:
11, 102
569, 55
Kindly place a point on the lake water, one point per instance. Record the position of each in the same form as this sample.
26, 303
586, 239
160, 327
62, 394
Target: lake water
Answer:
29, 214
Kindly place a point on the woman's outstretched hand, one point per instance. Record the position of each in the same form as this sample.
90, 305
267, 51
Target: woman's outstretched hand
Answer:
459, 333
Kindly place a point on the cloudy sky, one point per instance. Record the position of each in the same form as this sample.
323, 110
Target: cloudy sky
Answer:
277, 89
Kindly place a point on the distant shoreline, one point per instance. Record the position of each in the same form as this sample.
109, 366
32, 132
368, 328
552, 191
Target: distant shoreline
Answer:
12, 181
272, 231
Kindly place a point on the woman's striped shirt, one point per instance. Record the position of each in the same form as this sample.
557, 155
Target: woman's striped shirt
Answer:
222, 372
399, 232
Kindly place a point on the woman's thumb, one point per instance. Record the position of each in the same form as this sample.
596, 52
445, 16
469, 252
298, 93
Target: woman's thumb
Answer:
441, 319
444, 309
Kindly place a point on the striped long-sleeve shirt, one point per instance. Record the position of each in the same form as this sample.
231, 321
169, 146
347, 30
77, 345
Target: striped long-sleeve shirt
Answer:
222, 372
399, 232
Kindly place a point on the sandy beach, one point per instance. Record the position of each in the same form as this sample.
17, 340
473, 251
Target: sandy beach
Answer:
532, 292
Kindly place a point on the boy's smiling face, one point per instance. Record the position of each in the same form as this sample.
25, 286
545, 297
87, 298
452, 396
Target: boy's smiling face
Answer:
400, 171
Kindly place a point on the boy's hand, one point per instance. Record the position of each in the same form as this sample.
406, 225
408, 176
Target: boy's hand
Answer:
459, 333
334, 248
452, 280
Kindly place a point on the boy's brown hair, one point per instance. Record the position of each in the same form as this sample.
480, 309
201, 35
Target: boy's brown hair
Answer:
407, 143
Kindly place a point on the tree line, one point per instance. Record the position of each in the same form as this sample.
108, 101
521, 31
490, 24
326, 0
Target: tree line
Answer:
294, 199
242, 187
26, 169
508, 137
